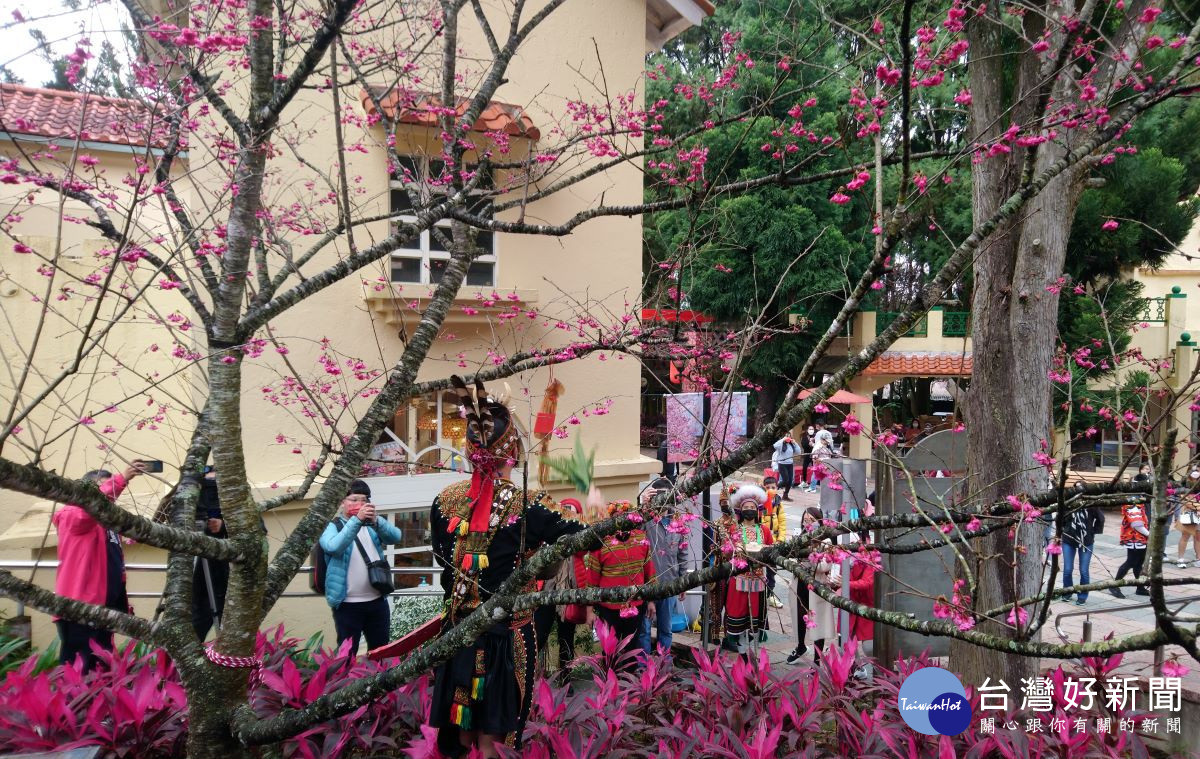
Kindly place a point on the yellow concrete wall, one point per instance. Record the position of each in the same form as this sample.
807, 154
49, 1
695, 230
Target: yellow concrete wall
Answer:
600, 263
127, 364
1178, 282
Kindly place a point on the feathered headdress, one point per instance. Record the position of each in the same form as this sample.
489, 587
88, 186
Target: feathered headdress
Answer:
752, 493
492, 443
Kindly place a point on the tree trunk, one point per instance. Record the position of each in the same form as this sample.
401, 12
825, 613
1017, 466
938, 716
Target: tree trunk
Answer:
1013, 317
768, 400
212, 697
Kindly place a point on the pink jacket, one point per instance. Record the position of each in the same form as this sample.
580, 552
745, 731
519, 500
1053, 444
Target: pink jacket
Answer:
862, 590
82, 552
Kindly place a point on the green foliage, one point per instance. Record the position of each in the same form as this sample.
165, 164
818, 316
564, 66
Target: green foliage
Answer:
783, 250
1106, 314
15, 651
1172, 127
577, 469
1101, 321
411, 611
1141, 193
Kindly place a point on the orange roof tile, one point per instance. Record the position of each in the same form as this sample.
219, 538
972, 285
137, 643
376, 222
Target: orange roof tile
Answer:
421, 109
75, 115
920, 364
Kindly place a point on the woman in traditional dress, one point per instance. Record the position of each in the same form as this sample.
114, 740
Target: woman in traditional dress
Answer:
722, 531
746, 593
622, 561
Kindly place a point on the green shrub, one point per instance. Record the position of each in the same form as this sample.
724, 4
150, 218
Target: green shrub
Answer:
15, 650
411, 611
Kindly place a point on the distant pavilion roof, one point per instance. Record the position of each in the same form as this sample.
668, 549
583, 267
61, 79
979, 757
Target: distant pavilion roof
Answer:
921, 364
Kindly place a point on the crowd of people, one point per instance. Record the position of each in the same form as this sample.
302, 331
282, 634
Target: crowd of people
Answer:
1083, 524
483, 529
815, 447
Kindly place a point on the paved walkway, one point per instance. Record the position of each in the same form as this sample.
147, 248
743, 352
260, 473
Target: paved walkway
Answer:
1106, 613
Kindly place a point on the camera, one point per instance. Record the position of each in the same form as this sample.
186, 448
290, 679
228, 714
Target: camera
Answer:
152, 466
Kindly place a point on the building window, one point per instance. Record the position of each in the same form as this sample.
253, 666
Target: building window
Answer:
1114, 450
422, 259
426, 436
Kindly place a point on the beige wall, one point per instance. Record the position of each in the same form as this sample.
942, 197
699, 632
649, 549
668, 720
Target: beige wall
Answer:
124, 367
598, 266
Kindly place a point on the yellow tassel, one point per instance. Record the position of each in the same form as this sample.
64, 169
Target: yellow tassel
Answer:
463, 527
483, 561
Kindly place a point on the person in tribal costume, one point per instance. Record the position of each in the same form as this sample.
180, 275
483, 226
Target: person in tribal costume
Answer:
481, 531
746, 594
722, 531
623, 561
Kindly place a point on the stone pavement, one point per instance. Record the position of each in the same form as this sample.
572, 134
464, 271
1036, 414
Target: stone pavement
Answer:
1129, 615
1106, 613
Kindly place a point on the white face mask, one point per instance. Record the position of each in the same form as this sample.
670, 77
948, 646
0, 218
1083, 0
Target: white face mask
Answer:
811, 431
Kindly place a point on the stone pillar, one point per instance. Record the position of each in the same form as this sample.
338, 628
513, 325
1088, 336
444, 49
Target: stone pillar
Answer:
1181, 349
1176, 315
1184, 364
867, 333
933, 323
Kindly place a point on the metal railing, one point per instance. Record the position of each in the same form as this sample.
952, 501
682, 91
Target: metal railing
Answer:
1179, 605
955, 323
431, 590
884, 319
1153, 310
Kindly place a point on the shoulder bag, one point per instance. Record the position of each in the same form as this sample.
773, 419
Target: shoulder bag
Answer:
379, 572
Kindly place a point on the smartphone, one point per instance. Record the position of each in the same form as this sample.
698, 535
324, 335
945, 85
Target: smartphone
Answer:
153, 466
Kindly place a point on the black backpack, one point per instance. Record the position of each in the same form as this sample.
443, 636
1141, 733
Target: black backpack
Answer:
319, 561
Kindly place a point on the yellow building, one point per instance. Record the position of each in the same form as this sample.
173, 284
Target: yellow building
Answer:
939, 346
90, 419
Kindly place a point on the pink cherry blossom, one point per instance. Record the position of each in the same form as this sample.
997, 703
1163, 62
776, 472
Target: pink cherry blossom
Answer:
1017, 617
1174, 669
852, 426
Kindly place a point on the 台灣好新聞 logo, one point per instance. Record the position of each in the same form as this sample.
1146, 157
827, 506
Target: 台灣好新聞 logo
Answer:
933, 701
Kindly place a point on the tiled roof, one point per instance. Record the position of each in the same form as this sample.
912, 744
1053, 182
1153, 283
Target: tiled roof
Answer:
73, 115
421, 109
920, 364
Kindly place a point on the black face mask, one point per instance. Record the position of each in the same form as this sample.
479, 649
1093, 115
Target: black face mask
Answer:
748, 515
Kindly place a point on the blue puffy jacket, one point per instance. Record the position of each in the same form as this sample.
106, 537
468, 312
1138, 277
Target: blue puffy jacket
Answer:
337, 545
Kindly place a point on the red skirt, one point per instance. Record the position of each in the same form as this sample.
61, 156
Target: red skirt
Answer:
744, 611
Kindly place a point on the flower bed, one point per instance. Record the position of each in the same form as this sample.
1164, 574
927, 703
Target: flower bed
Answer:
728, 707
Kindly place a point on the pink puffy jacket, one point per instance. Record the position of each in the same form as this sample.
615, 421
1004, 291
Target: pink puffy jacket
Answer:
82, 552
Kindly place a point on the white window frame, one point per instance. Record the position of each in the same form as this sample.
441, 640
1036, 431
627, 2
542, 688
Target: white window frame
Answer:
424, 251
1114, 445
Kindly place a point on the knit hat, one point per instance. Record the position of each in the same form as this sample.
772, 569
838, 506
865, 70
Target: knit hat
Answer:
358, 487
